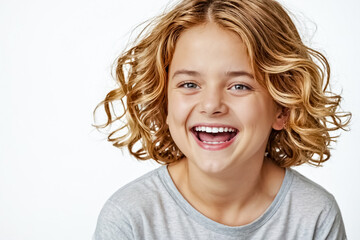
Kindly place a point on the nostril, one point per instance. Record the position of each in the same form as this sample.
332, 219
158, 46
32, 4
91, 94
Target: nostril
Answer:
216, 112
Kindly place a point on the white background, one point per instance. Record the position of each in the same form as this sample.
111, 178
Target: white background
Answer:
56, 171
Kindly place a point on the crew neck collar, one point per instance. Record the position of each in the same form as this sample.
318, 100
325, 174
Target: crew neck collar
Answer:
218, 227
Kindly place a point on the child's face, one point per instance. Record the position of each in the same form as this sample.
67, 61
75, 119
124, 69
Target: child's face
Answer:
211, 88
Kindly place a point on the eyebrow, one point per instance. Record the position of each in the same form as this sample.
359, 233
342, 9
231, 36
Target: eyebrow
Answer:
227, 73
186, 72
238, 74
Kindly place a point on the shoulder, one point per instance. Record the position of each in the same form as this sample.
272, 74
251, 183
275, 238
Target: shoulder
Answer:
309, 197
309, 191
128, 205
302, 199
310, 203
132, 194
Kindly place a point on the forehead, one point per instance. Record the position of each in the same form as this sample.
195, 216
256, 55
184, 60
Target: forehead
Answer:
209, 48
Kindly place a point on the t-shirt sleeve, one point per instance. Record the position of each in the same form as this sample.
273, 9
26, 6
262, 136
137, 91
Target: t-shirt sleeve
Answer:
332, 226
112, 224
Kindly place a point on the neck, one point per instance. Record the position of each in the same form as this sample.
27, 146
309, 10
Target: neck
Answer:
234, 197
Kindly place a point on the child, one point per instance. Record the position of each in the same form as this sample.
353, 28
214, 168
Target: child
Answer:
226, 96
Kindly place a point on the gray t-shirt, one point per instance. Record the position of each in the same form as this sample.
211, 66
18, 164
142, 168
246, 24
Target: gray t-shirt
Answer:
151, 207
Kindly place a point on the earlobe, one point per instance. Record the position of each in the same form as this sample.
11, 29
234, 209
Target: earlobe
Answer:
281, 119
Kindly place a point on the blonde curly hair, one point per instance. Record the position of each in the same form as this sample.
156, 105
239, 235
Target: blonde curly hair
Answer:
296, 76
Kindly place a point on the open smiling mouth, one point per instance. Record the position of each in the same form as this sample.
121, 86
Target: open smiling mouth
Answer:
214, 137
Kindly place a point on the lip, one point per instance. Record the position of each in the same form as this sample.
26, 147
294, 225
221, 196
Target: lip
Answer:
213, 147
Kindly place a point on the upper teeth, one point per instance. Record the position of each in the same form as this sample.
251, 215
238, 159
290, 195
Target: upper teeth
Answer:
214, 129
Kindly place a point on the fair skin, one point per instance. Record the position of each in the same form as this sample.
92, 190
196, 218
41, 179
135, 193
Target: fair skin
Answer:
212, 89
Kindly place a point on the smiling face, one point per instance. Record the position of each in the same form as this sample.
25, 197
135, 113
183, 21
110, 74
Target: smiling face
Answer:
218, 114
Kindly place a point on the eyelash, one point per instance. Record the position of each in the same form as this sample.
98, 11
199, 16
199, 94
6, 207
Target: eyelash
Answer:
195, 86
186, 85
243, 87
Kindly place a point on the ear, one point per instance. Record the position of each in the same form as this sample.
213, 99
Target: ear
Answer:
282, 117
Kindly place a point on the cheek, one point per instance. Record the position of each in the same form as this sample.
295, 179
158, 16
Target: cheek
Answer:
256, 112
179, 107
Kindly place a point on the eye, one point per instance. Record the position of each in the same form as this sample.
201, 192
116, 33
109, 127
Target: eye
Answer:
190, 85
240, 87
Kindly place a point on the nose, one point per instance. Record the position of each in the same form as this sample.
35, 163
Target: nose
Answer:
212, 102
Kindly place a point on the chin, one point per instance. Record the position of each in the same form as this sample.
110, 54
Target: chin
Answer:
211, 165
